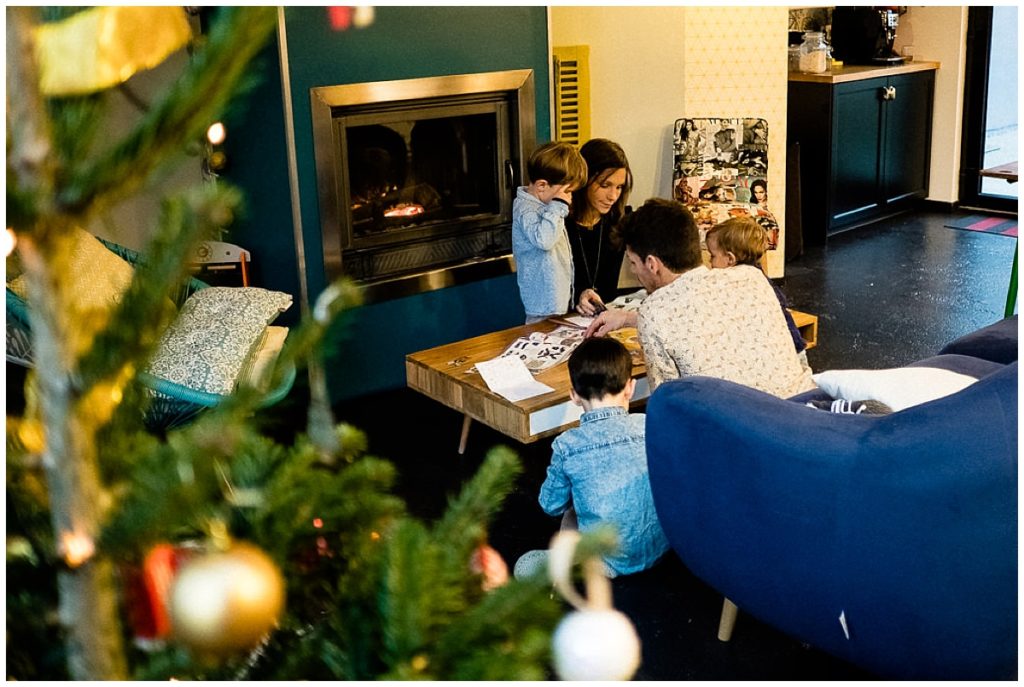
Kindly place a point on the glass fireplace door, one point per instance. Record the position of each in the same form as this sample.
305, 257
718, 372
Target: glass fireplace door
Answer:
412, 172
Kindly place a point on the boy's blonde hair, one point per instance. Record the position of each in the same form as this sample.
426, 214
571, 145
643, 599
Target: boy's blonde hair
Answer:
741, 236
557, 163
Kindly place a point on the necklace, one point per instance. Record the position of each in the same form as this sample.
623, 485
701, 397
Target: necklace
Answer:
591, 278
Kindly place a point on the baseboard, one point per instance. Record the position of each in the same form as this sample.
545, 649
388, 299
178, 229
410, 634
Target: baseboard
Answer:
987, 211
948, 206
938, 205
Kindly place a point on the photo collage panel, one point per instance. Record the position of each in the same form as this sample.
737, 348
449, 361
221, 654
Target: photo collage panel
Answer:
720, 170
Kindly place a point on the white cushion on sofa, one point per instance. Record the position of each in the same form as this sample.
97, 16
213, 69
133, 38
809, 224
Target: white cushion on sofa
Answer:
898, 388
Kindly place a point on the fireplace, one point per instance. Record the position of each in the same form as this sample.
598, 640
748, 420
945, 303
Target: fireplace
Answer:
416, 178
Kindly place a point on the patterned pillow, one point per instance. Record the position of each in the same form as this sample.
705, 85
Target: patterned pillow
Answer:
213, 336
98, 276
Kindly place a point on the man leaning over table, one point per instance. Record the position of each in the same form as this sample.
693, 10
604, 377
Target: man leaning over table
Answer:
698, 321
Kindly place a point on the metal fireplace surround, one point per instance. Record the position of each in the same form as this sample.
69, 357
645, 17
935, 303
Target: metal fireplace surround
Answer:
416, 178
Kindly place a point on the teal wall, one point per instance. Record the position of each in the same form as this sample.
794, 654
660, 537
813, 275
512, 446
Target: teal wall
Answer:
403, 42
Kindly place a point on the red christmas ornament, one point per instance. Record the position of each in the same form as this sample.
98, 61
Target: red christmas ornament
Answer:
340, 17
488, 563
147, 589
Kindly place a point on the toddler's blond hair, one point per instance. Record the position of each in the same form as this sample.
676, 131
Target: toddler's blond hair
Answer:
741, 236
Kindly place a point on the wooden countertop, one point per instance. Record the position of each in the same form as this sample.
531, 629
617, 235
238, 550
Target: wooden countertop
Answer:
857, 72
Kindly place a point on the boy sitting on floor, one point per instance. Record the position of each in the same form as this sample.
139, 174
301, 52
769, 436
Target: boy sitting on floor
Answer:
600, 467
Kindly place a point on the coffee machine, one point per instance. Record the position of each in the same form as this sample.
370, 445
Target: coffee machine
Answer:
865, 35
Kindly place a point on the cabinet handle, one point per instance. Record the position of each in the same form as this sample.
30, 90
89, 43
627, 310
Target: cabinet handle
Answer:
889, 93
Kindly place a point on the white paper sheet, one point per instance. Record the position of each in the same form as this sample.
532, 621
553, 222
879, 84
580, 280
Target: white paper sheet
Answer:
508, 377
579, 320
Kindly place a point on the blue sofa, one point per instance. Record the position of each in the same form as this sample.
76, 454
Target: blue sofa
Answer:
889, 541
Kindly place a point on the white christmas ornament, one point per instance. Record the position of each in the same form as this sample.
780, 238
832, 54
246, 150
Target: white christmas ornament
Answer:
596, 645
595, 642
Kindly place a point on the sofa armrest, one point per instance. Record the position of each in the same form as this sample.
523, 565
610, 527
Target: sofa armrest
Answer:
996, 342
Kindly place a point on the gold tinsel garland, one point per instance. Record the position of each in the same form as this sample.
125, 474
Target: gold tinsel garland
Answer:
104, 46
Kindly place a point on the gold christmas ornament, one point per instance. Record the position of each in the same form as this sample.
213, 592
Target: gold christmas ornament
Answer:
226, 601
104, 46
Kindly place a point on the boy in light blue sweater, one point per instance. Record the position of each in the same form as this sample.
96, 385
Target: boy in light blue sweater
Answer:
539, 242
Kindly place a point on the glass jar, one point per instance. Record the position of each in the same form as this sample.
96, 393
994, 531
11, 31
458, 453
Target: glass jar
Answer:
794, 58
814, 53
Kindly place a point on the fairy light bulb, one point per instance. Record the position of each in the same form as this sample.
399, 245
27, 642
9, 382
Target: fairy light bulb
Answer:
216, 134
362, 16
10, 241
76, 548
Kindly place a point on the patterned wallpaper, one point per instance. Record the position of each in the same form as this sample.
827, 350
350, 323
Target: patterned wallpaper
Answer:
735, 66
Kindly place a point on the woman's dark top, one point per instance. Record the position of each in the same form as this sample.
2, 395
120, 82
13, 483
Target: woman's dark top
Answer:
595, 260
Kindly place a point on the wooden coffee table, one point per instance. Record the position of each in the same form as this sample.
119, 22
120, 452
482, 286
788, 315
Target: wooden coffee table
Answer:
446, 374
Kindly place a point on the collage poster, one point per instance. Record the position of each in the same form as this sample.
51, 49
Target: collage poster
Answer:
720, 170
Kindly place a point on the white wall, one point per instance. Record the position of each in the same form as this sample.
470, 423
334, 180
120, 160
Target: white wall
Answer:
939, 34
636, 82
652, 65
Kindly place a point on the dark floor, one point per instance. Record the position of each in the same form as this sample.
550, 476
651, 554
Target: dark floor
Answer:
886, 295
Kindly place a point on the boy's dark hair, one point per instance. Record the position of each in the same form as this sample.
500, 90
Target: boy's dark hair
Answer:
557, 163
599, 366
741, 236
662, 228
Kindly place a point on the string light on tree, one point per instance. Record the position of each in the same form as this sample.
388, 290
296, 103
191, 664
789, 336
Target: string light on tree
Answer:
76, 548
341, 17
10, 241
216, 158
216, 133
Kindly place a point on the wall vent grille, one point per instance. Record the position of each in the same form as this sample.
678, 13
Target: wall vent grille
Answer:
572, 94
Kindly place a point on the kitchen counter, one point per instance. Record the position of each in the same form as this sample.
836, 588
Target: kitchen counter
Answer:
856, 72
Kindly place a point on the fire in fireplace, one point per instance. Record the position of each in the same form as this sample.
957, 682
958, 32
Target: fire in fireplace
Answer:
416, 178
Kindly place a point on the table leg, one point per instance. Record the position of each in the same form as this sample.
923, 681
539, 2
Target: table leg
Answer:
466, 421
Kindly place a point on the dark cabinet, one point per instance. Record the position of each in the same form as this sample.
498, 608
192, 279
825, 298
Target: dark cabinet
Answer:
864, 147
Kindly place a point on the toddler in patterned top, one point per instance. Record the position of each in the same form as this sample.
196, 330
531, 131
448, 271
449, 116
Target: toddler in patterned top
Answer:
742, 241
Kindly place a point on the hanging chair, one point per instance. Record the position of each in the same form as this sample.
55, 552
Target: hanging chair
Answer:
172, 404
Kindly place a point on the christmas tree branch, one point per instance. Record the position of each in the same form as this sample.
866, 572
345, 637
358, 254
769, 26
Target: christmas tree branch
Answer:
69, 458
182, 116
517, 617
29, 162
476, 504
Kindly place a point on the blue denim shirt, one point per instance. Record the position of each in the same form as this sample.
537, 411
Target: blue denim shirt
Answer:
600, 468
